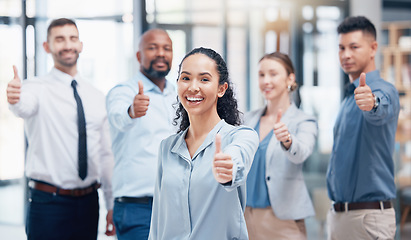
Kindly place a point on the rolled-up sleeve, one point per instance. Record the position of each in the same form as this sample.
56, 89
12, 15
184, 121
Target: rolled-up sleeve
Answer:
242, 148
118, 101
387, 109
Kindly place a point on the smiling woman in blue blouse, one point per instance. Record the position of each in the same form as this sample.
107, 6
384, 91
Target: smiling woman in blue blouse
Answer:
277, 197
200, 187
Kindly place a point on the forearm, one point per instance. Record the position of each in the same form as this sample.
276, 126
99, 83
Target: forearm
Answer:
299, 151
242, 151
26, 107
303, 142
118, 104
387, 108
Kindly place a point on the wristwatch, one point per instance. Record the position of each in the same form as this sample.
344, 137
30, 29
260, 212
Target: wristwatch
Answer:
376, 102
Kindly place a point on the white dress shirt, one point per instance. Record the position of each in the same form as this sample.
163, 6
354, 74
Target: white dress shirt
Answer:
49, 109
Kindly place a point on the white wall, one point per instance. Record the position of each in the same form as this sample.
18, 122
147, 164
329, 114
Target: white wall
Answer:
371, 9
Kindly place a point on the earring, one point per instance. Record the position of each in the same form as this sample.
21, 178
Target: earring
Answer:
289, 88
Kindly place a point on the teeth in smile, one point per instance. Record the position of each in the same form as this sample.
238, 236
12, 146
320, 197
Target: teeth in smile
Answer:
194, 99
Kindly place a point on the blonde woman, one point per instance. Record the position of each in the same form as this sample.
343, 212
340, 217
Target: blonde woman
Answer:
277, 197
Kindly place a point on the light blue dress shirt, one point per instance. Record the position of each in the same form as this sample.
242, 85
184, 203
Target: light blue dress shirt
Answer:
257, 192
188, 202
361, 167
136, 141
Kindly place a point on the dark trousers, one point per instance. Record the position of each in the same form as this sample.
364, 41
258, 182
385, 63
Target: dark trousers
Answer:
132, 220
62, 217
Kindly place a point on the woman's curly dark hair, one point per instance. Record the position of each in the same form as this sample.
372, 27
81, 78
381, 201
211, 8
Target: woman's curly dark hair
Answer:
226, 105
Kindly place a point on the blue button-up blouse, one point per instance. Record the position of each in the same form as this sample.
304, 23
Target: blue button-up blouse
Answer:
188, 202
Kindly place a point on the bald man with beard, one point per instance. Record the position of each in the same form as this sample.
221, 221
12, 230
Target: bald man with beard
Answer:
140, 113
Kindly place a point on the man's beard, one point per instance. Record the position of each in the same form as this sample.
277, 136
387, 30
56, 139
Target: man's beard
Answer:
65, 63
154, 73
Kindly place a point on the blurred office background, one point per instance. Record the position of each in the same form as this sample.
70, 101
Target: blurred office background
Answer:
241, 31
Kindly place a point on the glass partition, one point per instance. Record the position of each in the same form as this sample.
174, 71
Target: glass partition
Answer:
106, 30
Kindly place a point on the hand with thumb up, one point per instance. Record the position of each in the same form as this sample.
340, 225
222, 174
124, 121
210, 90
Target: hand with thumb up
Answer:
281, 131
140, 103
14, 88
363, 95
222, 163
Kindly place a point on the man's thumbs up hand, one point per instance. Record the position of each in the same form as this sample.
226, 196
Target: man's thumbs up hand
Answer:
222, 163
140, 88
363, 95
14, 88
362, 80
140, 103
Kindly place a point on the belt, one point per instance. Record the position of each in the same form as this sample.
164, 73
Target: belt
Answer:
78, 192
343, 207
145, 200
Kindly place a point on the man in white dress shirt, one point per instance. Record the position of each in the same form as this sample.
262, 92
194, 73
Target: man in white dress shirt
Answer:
68, 154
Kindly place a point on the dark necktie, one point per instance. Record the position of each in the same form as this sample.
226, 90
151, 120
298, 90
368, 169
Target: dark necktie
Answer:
82, 135
349, 89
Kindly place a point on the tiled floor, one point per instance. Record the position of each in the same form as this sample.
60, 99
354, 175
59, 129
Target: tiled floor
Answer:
12, 214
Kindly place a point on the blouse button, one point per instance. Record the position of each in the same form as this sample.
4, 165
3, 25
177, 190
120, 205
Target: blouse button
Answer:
268, 178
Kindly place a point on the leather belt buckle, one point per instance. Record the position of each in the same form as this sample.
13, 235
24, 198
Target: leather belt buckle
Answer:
339, 207
345, 207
